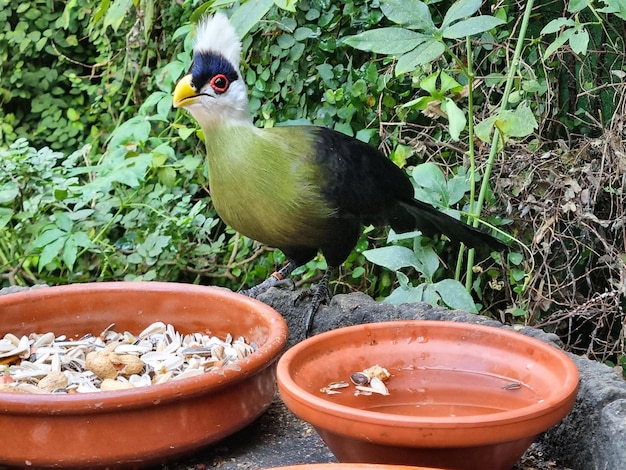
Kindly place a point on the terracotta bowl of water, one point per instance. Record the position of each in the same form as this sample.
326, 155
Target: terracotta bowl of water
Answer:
150, 424
461, 396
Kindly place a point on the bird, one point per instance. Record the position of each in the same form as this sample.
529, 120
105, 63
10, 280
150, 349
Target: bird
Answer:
303, 189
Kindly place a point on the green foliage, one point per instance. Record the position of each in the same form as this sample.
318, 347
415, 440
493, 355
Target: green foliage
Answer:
407, 76
428, 44
69, 220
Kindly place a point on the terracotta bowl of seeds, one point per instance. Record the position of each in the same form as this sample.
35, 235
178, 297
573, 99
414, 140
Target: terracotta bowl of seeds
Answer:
142, 424
428, 393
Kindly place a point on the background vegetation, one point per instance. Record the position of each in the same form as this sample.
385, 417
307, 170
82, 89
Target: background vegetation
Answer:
102, 180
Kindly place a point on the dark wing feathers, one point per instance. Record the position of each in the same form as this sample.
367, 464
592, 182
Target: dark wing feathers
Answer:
362, 183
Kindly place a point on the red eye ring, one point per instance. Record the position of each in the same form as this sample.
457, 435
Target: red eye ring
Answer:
220, 83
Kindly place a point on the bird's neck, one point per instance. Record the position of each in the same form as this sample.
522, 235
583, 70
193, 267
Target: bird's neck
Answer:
225, 118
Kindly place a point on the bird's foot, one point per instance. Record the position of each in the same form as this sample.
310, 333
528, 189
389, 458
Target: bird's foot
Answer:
319, 295
279, 278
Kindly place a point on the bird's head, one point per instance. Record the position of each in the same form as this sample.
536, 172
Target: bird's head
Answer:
214, 91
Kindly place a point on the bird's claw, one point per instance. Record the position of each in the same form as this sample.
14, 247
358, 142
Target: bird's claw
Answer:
275, 280
311, 292
319, 295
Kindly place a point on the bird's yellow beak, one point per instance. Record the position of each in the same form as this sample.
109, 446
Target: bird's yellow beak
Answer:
184, 93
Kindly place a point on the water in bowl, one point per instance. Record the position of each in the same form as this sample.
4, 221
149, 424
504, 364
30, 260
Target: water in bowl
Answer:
445, 392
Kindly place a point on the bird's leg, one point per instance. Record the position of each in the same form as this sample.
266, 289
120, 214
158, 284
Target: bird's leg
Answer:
318, 295
276, 279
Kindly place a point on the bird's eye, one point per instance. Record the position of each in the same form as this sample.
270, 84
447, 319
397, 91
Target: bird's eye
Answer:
220, 83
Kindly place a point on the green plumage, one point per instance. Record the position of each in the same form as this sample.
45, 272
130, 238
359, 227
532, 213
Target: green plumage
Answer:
265, 185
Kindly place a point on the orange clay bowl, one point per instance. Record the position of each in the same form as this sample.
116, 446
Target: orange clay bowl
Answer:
462, 396
147, 425
350, 466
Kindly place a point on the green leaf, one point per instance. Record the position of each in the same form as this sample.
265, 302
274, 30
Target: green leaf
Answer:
428, 260
64, 20
458, 185
431, 184
456, 118
8, 192
558, 42
289, 5
574, 6
390, 41
519, 122
303, 33
429, 84
392, 257
248, 15
135, 130
47, 237
82, 239
63, 221
167, 176
406, 294
412, 13
617, 7
185, 132
50, 251
427, 52
70, 251
5, 216
517, 275
483, 129
454, 295
579, 41
459, 10
116, 13
515, 258
148, 18
400, 154
556, 25
448, 83
471, 27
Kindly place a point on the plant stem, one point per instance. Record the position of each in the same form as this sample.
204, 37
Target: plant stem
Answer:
469, 73
495, 141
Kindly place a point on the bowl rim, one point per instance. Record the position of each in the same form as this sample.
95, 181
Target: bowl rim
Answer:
114, 401
287, 384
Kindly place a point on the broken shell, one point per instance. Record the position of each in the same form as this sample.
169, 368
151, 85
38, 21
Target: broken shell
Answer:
378, 386
153, 329
82, 365
365, 376
377, 371
162, 361
375, 386
14, 347
331, 388
44, 340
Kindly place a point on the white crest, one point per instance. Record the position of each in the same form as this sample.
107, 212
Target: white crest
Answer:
216, 34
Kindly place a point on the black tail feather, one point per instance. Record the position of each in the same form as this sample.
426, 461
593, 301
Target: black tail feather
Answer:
421, 216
